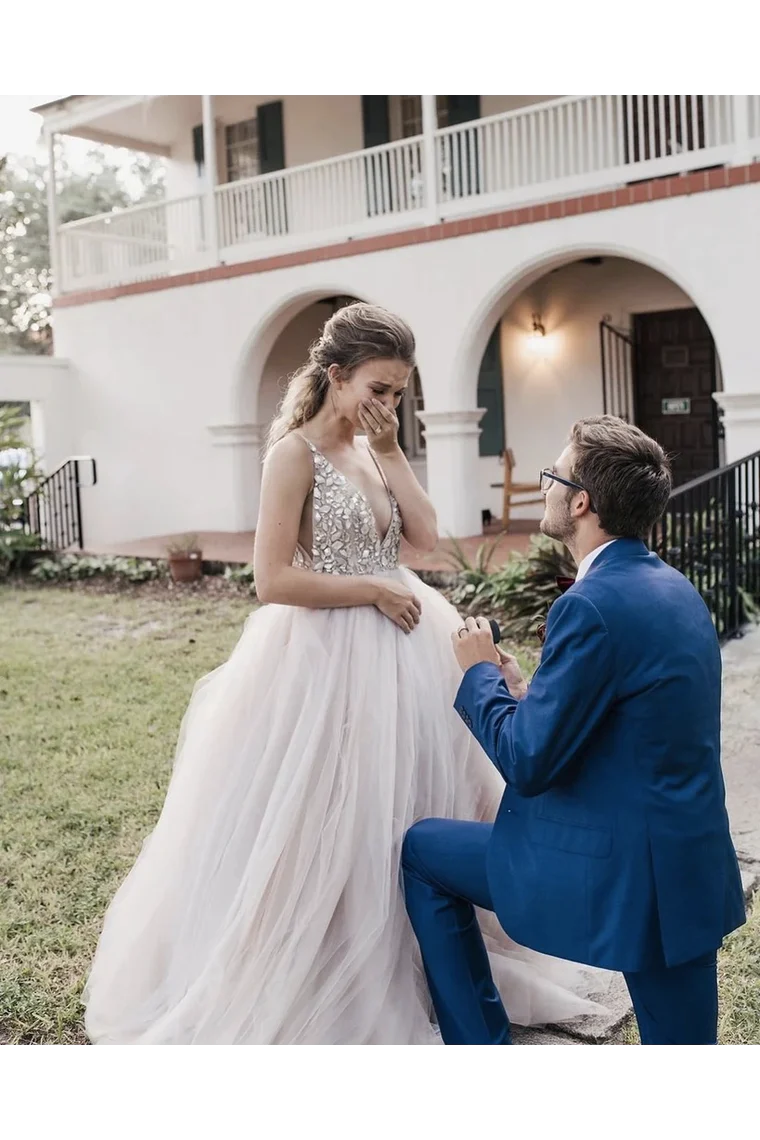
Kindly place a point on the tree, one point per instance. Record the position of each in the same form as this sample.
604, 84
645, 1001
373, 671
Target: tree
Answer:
19, 471
25, 275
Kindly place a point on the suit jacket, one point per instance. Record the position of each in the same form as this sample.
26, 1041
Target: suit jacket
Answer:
612, 845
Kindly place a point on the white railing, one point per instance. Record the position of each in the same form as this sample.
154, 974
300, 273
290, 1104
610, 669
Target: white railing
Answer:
577, 139
550, 150
350, 191
132, 245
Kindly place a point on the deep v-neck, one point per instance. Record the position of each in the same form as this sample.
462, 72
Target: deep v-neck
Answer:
350, 483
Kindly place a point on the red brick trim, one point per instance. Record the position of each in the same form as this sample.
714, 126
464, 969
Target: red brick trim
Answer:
677, 186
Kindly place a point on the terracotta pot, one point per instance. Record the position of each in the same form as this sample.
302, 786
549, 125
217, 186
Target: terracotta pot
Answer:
186, 567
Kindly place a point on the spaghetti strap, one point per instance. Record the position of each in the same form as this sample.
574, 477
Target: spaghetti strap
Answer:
308, 443
382, 473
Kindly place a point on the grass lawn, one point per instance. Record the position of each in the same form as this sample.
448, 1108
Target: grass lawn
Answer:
92, 691
739, 985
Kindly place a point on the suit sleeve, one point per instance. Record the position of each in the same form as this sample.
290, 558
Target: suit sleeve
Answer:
533, 741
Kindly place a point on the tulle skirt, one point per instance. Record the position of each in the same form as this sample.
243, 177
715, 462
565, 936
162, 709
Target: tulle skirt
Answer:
265, 907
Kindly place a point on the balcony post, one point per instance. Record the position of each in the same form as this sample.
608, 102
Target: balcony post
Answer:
429, 164
209, 193
740, 112
56, 269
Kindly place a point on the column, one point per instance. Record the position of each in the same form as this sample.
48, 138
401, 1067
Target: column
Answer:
209, 158
429, 164
239, 472
454, 480
52, 207
741, 421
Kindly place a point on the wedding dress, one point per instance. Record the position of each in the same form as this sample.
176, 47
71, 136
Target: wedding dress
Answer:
265, 907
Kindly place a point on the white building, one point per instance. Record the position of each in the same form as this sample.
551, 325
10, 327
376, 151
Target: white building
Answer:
555, 256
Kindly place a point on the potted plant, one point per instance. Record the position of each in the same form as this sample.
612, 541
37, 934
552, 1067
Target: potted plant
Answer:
185, 558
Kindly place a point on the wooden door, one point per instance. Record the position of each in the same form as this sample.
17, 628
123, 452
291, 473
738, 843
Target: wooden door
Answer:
674, 379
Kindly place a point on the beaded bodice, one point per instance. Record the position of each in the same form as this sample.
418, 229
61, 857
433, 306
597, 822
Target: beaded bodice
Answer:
345, 535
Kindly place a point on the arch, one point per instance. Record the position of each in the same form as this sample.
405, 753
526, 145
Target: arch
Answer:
262, 338
250, 395
265, 334
500, 297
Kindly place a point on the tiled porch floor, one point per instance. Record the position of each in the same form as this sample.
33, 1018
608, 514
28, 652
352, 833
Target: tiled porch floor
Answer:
225, 546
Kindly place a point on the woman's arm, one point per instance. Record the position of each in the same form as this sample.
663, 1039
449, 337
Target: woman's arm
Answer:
417, 512
286, 484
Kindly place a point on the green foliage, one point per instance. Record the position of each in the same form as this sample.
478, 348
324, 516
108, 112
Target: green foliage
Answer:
697, 543
25, 275
73, 568
518, 593
183, 546
13, 426
19, 472
241, 575
18, 551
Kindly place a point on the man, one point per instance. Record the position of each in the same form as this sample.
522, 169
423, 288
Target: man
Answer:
611, 846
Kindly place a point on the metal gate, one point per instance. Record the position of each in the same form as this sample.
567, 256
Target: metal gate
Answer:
617, 371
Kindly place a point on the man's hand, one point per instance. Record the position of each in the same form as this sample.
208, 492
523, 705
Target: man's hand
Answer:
512, 674
473, 644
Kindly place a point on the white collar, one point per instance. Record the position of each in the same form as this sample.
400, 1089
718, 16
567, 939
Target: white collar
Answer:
586, 562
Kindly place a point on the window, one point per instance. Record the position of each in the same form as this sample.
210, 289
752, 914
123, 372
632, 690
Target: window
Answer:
411, 114
241, 144
411, 432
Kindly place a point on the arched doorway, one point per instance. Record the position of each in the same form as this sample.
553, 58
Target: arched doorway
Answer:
602, 334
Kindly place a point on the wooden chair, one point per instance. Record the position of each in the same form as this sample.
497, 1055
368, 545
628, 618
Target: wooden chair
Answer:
533, 490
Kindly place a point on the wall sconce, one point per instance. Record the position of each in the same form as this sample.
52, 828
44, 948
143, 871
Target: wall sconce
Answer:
540, 344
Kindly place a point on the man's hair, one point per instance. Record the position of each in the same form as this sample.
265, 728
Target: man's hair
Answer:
625, 472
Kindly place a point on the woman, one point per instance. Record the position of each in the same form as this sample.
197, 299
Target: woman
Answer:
265, 907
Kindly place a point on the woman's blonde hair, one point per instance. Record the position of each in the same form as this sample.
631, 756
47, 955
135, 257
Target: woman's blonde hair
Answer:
352, 336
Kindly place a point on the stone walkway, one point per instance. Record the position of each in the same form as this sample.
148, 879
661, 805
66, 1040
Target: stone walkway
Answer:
741, 766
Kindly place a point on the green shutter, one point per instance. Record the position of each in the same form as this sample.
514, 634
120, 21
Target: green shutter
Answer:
376, 120
463, 108
377, 131
271, 137
271, 159
198, 148
491, 397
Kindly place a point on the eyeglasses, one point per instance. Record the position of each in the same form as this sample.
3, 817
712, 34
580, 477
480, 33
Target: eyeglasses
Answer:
546, 478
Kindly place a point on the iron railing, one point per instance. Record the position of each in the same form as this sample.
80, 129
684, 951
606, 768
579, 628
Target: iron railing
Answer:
711, 533
617, 371
54, 509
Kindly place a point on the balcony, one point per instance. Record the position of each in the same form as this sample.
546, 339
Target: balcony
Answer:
542, 152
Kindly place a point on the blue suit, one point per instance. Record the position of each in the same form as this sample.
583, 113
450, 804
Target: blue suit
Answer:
611, 846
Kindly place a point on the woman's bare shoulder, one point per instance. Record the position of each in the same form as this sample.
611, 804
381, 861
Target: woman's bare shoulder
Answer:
290, 457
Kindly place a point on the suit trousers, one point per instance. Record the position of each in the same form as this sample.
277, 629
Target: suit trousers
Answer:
444, 875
